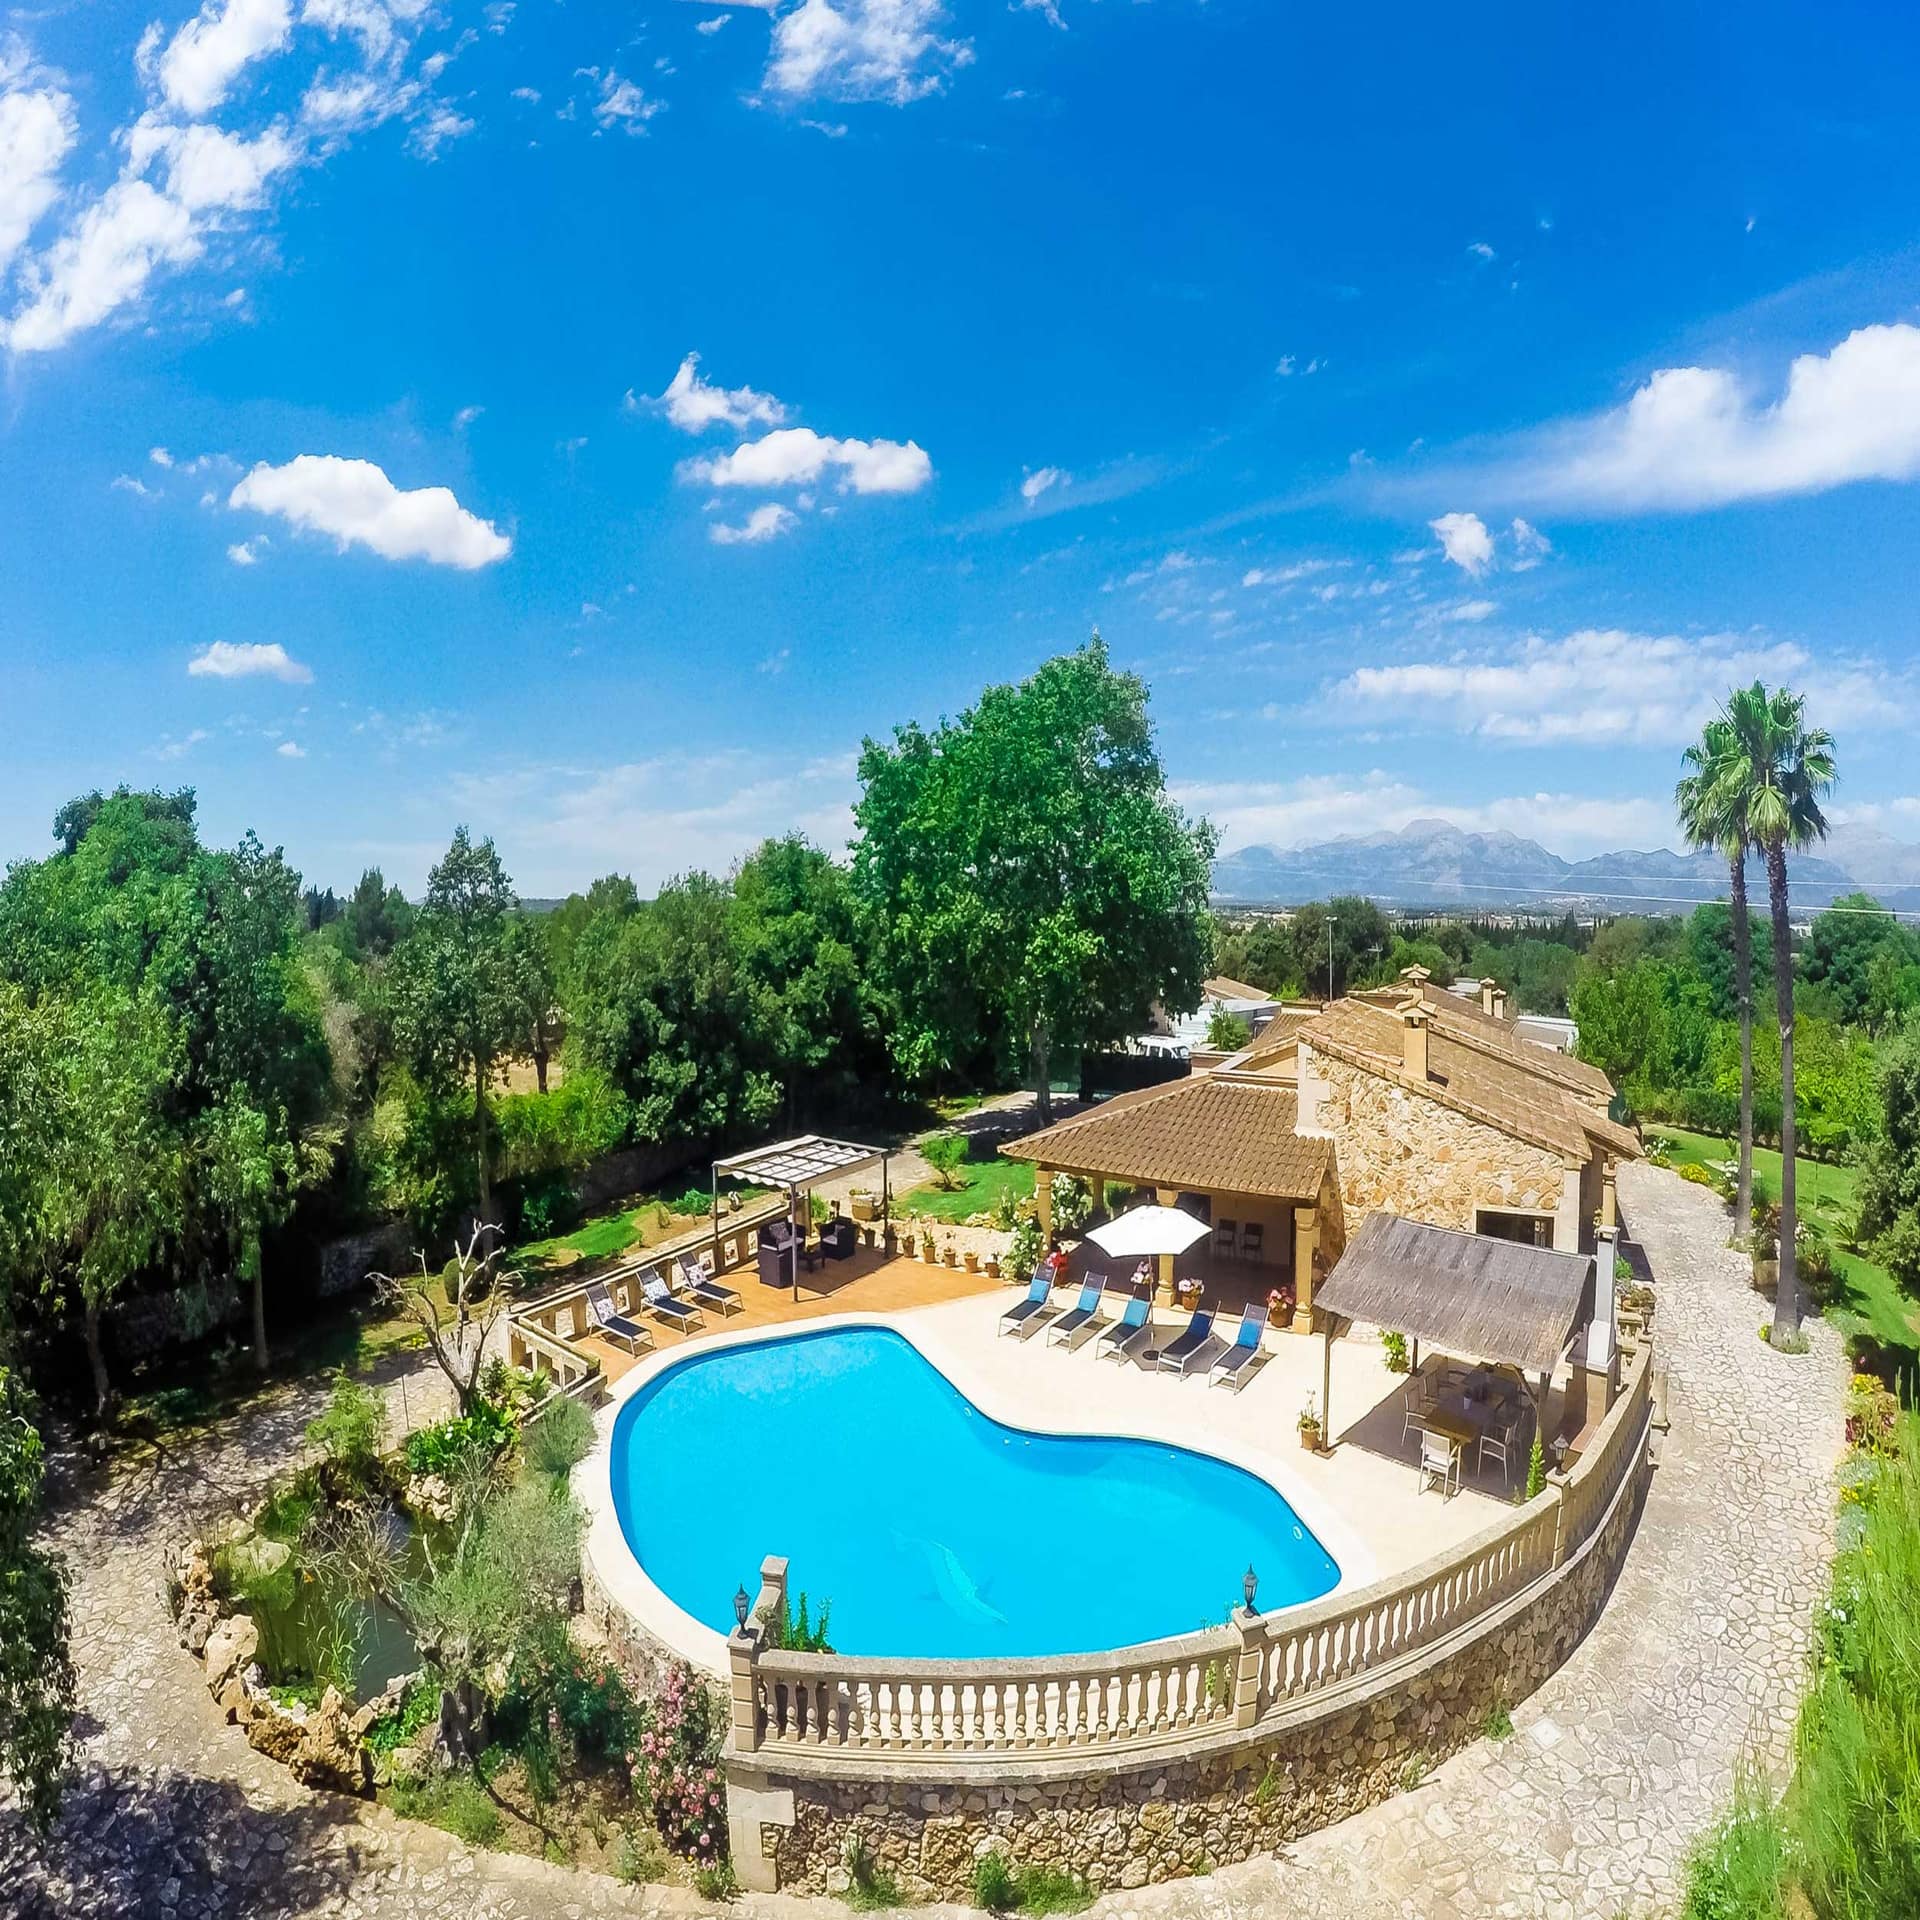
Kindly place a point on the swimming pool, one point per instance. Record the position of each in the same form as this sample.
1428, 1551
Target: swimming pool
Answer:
932, 1529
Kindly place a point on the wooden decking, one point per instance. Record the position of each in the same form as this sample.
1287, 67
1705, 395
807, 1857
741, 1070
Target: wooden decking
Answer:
870, 1282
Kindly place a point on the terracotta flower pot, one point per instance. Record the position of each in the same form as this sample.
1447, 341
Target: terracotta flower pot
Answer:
973, 1261
1310, 1439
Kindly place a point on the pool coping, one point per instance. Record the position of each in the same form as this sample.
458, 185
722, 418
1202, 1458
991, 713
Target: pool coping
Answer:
621, 1578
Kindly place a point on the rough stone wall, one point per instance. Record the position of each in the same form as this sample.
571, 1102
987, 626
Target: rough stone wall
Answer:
1164, 1822
1398, 1152
643, 1659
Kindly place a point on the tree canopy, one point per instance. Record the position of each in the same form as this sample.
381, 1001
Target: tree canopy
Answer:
1032, 883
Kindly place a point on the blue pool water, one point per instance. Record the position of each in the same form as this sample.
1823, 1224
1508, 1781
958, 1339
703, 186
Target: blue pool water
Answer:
933, 1529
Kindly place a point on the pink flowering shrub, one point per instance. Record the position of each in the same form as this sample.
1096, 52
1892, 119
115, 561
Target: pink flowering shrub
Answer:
678, 1759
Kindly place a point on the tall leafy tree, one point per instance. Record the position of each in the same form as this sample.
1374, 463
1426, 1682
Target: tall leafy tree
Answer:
1890, 1177
377, 917
529, 954
457, 999
1036, 885
1772, 774
37, 1681
1712, 809
1360, 942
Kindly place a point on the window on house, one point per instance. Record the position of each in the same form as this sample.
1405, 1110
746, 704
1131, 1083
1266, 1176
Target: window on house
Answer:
1525, 1229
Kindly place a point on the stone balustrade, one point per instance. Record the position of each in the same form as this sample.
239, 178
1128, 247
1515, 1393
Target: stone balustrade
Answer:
814, 1712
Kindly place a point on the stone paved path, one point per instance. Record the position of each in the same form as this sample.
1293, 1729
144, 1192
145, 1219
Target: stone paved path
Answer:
1615, 1763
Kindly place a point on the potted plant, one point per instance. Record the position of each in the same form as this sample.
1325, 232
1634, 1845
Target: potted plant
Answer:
993, 1266
1310, 1427
927, 1252
948, 1256
1280, 1307
972, 1258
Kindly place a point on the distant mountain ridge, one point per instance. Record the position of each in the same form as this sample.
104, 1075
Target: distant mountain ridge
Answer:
1432, 863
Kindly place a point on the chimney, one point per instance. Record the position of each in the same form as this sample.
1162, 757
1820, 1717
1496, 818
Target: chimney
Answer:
1415, 976
1488, 988
1499, 1003
1413, 1042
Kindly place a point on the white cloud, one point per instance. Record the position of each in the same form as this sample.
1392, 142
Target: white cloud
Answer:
202, 61
246, 553
160, 456
1600, 687
1039, 479
863, 50
440, 124
624, 105
355, 502
1695, 437
1481, 251
102, 262
714, 24
693, 405
290, 750
207, 170
1285, 576
766, 522
1530, 547
374, 23
466, 417
797, 456
248, 660
531, 95
1465, 541
126, 483
36, 135
1471, 611
171, 749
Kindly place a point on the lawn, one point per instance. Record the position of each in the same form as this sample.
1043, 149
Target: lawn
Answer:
982, 1184
1869, 1309
641, 1223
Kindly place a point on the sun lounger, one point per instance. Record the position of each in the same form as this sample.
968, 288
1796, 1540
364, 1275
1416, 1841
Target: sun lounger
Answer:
1194, 1346
1242, 1357
676, 1313
703, 1288
613, 1323
1024, 1315
1084, 1314
1132, 1331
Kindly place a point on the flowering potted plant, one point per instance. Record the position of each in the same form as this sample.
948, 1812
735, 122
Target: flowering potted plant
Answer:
1309, 1427
1280, 1307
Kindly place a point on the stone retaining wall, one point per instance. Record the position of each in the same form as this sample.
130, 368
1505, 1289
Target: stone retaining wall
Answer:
1127, 1827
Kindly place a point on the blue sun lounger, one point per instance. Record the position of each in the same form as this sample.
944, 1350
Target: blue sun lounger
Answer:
1024, 1315
1242, 1358
676, 1313
613, 1323
1082, 1315
702, 1288
1193, 1346
1133, 1329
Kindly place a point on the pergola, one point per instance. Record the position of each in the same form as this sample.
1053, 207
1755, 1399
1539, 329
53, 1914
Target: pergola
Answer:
799, 1165
1496, 1302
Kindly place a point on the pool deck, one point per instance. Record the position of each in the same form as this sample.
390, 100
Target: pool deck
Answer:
1361, 1497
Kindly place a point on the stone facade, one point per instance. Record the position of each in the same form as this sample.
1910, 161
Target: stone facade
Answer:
1125, 1829
1399, 1153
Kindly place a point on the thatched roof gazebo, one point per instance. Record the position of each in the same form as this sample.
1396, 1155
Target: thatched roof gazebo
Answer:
1497, 1302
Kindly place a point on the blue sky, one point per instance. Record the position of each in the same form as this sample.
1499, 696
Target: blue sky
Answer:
1440, 411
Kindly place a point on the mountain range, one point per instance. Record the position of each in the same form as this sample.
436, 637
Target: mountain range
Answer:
1432, 863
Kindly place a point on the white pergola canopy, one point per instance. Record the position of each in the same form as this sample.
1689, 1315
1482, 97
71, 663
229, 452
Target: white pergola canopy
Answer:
800, 1162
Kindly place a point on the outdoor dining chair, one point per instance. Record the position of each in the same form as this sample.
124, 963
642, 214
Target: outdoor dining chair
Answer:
1225, 1238
1439, 1464
1501, 1442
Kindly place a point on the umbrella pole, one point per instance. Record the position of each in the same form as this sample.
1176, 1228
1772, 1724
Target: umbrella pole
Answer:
1326, 1387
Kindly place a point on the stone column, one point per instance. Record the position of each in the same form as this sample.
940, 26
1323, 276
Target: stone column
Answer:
1250, 1660
1167, 1196
1043, 1200
1609, 1199
1306, 1237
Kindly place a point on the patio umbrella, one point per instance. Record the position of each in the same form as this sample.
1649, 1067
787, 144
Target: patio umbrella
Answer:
1149, 1230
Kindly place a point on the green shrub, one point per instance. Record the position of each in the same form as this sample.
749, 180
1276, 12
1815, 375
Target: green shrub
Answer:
352, 1430
558, 1439
548, 1204
553, 1683
434, 1449
791, 1631
1536, 1467
715, 1881
996, 1886
1736, 1871
1023, 1252
1053, 1890
1072, 1202
691, 1204
1498, 1725
946, 1154
1395, 1347
419, 1705
871, 1886
454, 1802
635, 1856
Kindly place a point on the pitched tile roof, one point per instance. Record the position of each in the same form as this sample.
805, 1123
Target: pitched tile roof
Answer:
1206, 1133
1504, 1089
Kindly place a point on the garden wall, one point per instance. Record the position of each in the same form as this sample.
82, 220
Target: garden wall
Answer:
1228, 1798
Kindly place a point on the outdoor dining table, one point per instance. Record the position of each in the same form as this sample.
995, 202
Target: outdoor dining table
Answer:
1457, 1419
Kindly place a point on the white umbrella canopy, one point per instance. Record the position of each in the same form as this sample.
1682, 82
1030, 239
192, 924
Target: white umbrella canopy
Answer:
1149, 1230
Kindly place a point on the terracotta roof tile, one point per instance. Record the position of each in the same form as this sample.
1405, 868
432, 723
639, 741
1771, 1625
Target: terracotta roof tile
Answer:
1234, 1136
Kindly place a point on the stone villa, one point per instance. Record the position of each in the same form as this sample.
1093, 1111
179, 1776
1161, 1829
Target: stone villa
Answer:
1407, 1099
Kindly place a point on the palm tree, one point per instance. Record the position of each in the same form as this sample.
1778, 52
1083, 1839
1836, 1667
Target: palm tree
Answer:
1776, 771
1712, 814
